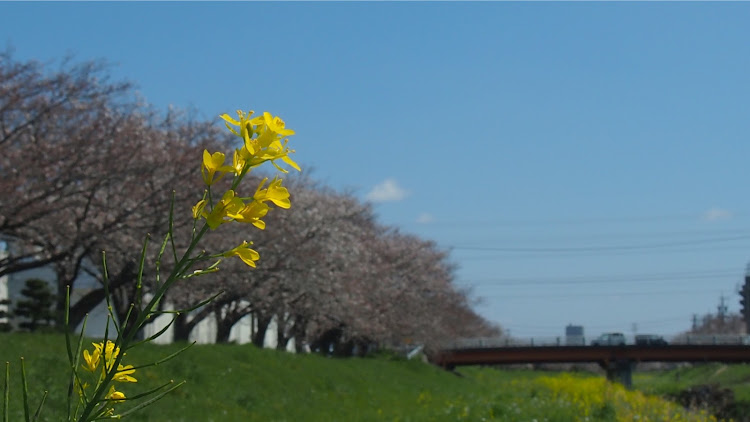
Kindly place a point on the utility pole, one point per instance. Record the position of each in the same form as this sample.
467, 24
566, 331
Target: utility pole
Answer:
745, 301
722, 310
695, 322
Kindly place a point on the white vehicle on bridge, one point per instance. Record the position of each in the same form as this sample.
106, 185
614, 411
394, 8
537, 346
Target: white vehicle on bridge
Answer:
650, 340
609, 339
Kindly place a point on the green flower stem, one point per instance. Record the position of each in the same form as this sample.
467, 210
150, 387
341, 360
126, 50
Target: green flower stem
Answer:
170, 231
145, 403
6, 392
124, 341
75, 379
98, 407
39, 409
25, 391
71, 358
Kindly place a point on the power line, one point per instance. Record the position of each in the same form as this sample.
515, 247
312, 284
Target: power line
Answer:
696, 217
606, 279
604, 248
547, 237
683, 318
593, 252
603, 294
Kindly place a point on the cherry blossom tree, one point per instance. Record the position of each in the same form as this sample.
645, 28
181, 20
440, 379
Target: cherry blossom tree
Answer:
335, 280
84, 167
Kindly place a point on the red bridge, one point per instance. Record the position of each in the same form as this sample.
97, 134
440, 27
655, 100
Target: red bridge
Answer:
618, 361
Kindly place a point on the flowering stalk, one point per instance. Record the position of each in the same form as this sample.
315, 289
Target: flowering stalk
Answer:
94, 382
265, 139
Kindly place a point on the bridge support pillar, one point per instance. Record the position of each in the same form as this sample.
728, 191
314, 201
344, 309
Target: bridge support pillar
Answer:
620, 370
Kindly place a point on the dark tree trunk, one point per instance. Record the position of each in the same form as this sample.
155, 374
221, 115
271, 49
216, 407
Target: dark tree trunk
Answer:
281, 340
93, 298
327, 342
343, 348
299, 333
223, 328
182, 328
283, 332
184, 325
259, 336
66, 271
122, 290
84, 306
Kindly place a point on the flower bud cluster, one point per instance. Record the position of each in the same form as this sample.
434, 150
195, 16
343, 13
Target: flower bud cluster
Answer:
264, 138
99, 362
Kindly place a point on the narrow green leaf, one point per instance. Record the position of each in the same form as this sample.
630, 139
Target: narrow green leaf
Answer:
68, 347
157, 264
148, 393
25, 392
74, 366
157, 334
171, 226
39, 409
105, 283
139, 280
6, 392
167, 358
144, 404
202, 303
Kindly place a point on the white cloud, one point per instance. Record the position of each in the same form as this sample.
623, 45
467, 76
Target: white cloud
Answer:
425, 218
387, 191
715, 214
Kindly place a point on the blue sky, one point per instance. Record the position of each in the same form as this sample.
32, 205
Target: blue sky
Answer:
585, 163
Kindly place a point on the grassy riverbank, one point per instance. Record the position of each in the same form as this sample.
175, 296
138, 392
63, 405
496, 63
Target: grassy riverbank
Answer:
243, 383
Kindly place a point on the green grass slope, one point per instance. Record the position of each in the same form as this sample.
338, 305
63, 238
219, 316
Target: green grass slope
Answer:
707, 382
244, 383
735, 377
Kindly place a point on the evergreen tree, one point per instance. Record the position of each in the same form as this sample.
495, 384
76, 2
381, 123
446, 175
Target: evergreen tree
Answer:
4, 316
37, 307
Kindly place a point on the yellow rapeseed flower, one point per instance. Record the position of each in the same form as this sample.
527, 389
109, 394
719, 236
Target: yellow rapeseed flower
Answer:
275, 193
238, 161
114, 395
198, 208
246, 129
80, 387
110, 354
276, 124
269, 144
223, 211
92, 359
124, 373
252, 213
212, 164
243, 251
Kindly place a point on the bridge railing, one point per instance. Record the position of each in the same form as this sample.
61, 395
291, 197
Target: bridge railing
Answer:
489, 342
698, 339
493, 342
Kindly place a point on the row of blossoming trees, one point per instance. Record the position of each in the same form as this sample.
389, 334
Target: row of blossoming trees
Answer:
86, 166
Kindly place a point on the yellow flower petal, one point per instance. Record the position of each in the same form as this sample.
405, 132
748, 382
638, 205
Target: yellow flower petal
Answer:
124, 374
114, 395
243, 251
198, 208
228, 119
291, 163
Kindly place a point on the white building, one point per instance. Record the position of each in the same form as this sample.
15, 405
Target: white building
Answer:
203, 333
